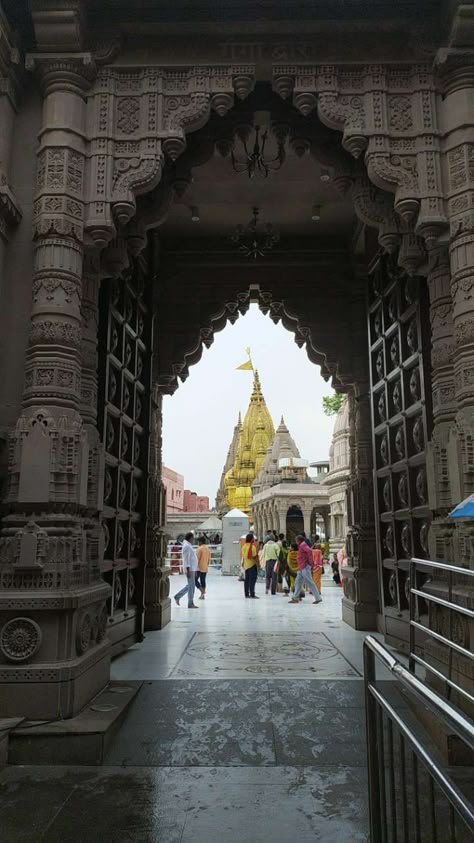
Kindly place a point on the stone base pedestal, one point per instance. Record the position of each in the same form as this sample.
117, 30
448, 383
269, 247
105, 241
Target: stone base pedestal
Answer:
82, 740
54, 691
360, 604
157, 600
362, 616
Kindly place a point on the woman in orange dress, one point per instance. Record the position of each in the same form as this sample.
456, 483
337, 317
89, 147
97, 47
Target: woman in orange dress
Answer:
317, 565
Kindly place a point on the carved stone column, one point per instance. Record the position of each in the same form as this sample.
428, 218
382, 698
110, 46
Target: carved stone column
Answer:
439, 467
457, 110
53, 613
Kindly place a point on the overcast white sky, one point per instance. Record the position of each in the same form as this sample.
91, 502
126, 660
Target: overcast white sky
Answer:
199, 419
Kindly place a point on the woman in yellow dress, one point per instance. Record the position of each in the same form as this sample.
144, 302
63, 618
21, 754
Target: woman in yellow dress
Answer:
250, 563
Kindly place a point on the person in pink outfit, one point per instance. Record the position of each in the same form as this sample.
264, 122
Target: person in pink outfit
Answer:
305, 565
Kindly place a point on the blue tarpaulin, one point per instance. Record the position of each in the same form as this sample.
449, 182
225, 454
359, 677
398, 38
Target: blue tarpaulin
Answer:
465, 509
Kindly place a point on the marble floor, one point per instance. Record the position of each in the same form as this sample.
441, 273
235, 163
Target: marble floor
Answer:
249, 728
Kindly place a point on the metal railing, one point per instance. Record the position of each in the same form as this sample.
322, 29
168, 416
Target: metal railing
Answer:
451, 578
412, 797
174, 556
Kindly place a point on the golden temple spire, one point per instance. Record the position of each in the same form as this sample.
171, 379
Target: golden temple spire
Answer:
256, 436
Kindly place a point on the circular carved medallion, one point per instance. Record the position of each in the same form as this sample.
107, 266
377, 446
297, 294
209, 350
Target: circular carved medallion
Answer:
394, 353
424, 530
381, 407
117, 589
403, 489
108, 485
120, 543
110, 435
112, 390
392, 307
124, 442
392, 588
20, 639
406, 539
378, 323
384, 450
397, 397
406, 588
418, 435
415, 385
379, 364
125, 398
400, 443
106, 534
388, 540
386, 494
421, 485
131, 587
412, 336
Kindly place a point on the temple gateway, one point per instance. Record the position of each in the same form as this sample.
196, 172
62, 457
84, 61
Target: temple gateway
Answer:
130, 232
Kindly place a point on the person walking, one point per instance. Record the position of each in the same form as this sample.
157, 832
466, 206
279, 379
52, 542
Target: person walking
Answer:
305, 564
250, 560
190, 565
271, 551
317, 565
203, 554
292, 566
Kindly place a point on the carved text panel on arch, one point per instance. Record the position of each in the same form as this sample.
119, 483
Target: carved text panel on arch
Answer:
398, 347
385, 111
137, 115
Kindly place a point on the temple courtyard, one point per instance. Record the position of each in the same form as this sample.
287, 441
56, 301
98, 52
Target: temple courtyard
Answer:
249, 727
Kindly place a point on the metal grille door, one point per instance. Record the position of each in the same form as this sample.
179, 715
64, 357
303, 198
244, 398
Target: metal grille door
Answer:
398, 311
125, 334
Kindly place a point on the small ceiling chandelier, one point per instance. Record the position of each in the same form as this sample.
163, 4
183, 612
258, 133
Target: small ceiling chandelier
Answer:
254, 162
253, 243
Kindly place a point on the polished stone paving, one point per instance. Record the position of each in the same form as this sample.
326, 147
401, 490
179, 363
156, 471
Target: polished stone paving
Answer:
249, 728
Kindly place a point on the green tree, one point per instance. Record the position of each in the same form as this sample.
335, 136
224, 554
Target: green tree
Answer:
333, 403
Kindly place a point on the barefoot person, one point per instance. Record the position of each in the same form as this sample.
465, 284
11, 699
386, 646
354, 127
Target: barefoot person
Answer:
204, 557
305, 564
190, 566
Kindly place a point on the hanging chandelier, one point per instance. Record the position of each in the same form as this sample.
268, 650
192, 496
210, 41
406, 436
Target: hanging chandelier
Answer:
254, 162
253, 243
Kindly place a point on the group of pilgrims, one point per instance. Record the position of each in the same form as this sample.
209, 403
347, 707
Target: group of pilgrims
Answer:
288, 568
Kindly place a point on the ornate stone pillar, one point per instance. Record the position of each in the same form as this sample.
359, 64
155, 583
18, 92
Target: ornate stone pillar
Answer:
457, 108
53, 613
438, 463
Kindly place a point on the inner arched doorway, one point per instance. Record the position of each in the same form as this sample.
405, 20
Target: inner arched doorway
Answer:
294, 522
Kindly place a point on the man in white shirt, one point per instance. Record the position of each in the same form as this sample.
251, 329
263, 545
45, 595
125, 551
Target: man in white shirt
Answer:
270, 555
190, 566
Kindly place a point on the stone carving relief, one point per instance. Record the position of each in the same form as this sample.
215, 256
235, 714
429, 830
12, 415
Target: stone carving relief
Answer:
388, 116
20, 639
138, 116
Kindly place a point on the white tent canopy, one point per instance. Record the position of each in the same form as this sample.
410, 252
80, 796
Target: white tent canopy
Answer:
211, 524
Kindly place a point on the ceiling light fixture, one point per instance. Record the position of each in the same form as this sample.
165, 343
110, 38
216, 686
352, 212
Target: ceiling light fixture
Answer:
195, 213
254, 162
253, 243
316, 213
325, 176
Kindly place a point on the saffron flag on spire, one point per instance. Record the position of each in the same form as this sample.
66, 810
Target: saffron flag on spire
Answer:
248, 365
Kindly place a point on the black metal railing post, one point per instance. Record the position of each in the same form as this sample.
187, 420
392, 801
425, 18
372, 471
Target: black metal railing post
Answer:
375, 817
